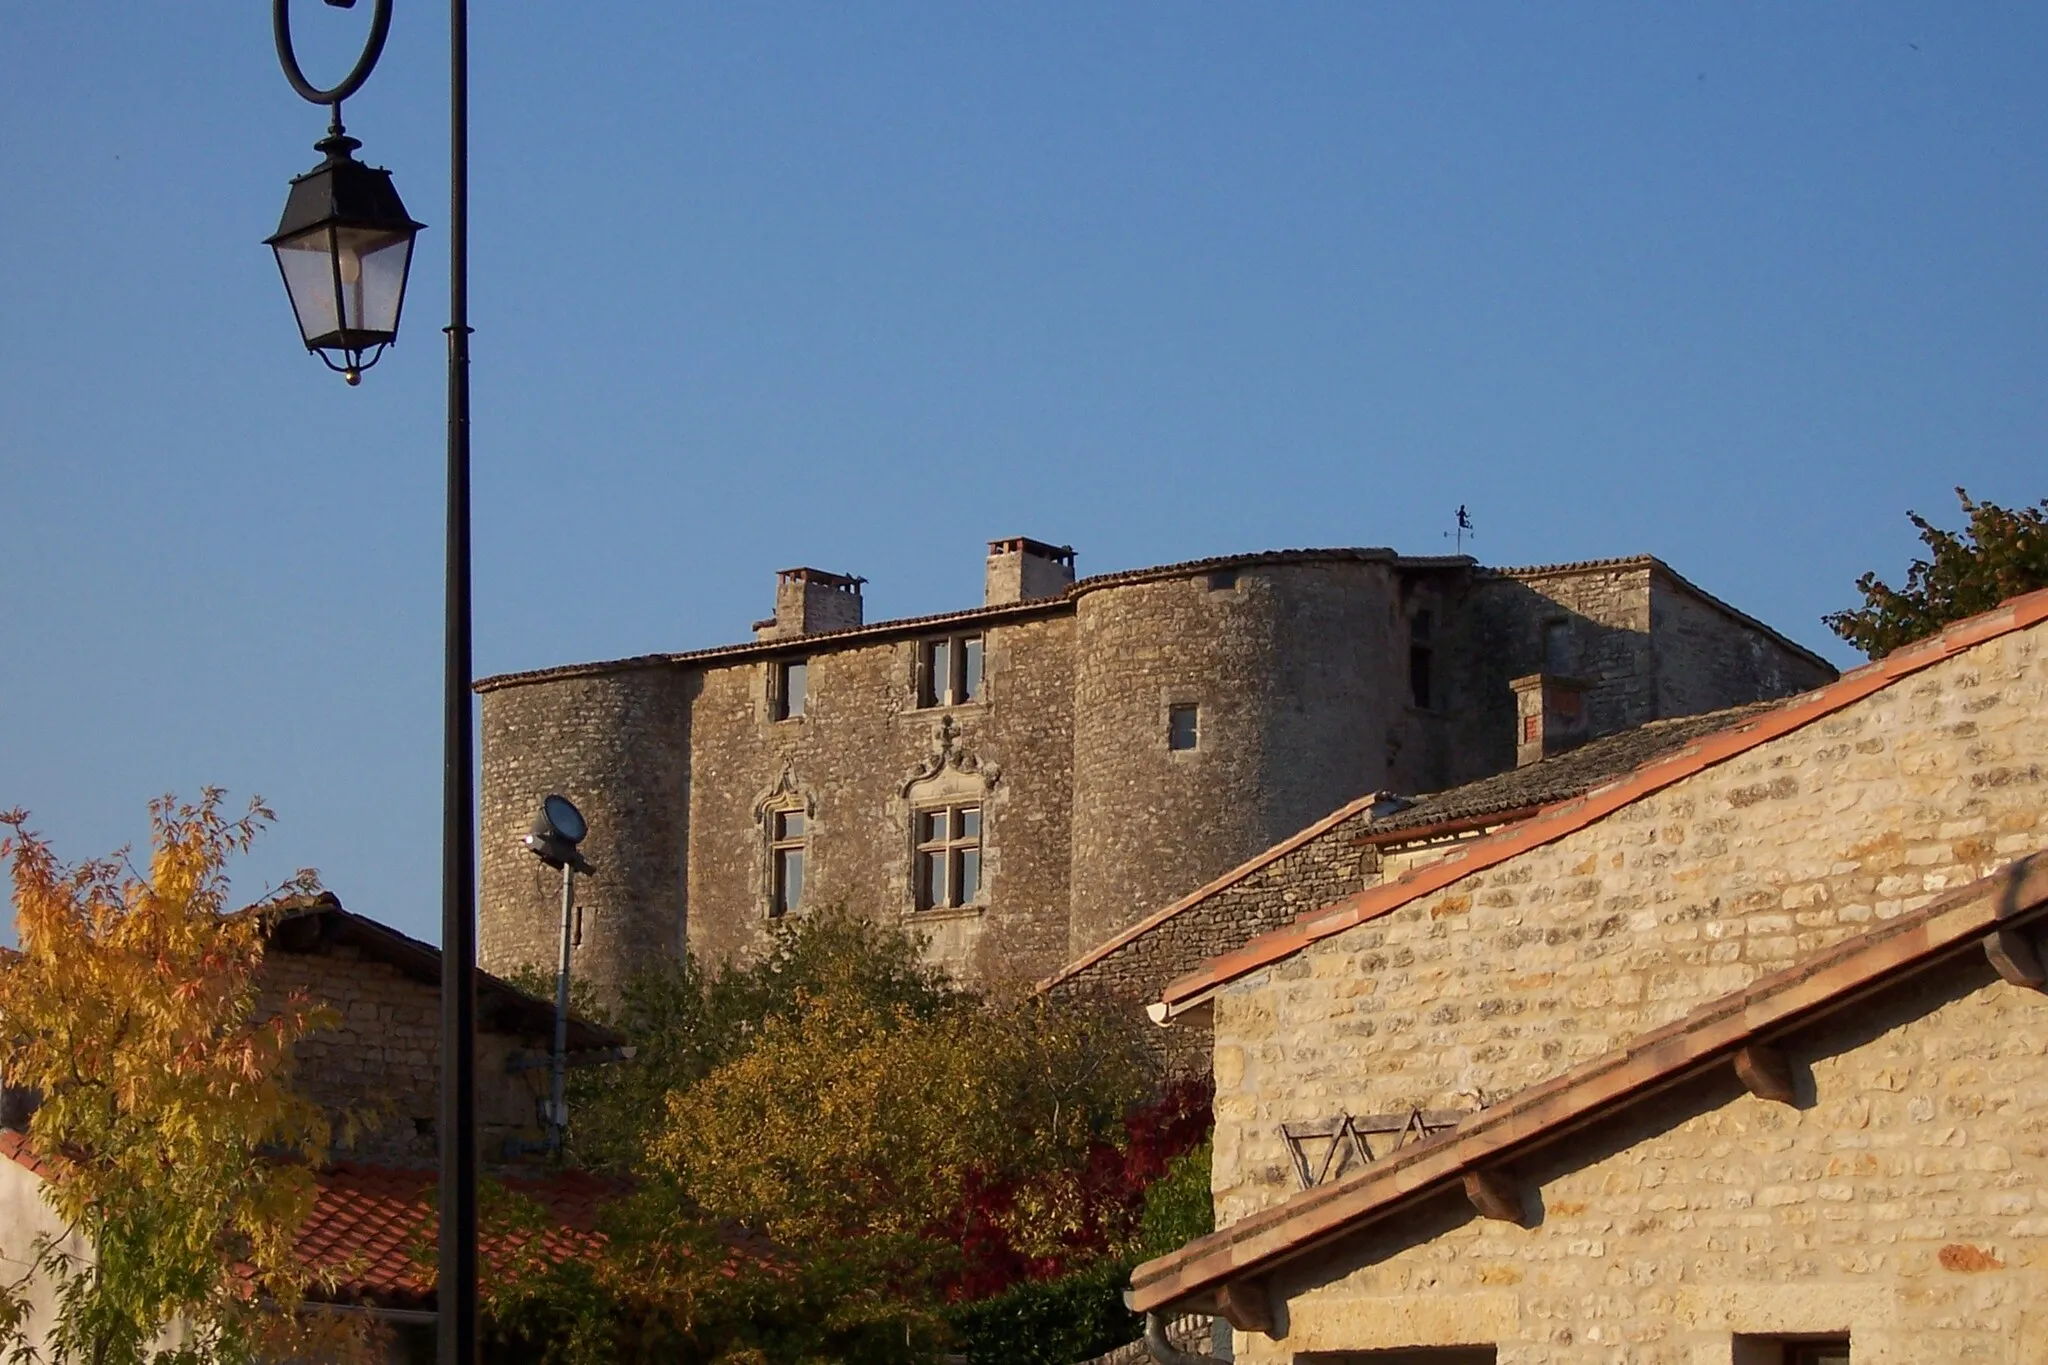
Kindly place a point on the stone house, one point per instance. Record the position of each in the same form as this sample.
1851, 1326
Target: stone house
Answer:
1023, 780
1739, 1059
377, 1073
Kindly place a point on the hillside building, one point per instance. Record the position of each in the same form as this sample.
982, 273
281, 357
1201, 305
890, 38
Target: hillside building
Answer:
1025, 779
1735, 1059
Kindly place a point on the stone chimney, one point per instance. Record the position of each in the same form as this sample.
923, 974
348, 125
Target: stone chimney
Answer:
1550, 716
1021, 569
809, 601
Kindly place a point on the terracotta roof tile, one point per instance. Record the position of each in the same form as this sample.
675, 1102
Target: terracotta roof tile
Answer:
1556, 821
371, 1225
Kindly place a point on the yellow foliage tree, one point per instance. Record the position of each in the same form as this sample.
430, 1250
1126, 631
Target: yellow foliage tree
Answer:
855, 1121
170, 1135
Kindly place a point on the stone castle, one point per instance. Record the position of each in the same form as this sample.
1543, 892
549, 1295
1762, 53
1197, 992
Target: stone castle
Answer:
1021, 780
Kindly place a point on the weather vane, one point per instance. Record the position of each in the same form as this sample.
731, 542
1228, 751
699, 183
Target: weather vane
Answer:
1464, 529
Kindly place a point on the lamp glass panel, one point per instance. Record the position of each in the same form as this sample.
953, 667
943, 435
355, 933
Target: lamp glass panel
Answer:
373, 263
306, 262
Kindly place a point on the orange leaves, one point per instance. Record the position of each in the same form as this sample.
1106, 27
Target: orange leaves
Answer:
132, 1010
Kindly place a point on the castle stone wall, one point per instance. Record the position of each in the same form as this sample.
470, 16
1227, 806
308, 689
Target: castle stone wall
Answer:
1299, 662
860, 760
1292, 667
616, 743
1708, 658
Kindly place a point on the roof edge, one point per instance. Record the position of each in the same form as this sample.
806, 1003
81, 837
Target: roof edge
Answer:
1566, 817
1201, 893
1783, 1002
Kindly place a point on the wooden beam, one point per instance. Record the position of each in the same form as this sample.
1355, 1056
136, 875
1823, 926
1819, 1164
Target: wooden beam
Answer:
1245, 1305
1766, 1072
1496, 1194
2015, 958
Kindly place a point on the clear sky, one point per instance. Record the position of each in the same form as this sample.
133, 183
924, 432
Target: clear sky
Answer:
863, 286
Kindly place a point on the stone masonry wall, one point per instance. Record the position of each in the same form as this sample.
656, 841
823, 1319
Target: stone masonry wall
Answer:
1523, 970
860, 760
381, 1063
1293, 668
1708, 658
1312, 874
617, 744
1907, 1206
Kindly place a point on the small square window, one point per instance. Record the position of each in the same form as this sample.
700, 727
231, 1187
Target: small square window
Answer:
949, 671
1222, 580
1183, 726
792, 688
948, 863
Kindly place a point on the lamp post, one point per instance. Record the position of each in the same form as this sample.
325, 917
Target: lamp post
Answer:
345, 250
556, 831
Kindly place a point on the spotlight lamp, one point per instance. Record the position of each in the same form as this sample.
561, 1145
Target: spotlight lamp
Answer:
556, 831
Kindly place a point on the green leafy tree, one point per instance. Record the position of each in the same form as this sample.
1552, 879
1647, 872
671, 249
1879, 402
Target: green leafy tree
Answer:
169, 1136
2001, 553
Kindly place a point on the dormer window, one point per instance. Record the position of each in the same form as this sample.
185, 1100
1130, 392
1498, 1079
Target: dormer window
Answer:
949, 670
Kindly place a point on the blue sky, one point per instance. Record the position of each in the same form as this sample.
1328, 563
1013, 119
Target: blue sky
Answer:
864, 286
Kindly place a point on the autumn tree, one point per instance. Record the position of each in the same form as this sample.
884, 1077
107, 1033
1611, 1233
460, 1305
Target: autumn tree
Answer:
168, 1133
895, 1144
2001, 553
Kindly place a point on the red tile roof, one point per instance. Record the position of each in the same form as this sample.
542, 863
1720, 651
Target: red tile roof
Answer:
1482, 1145
1567, 817
373, 1227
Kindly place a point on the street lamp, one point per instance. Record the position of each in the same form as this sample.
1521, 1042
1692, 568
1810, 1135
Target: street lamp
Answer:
557, 829
344, 248
345, 254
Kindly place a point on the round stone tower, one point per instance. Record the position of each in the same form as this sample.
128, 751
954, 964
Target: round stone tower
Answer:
614, 740
1220, 707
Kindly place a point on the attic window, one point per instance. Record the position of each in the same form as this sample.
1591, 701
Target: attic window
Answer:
1222, 580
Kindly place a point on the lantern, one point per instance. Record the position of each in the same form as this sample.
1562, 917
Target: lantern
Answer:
344, 247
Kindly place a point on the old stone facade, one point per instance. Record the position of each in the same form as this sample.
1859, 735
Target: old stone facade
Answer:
1022, 781
377, 1069
1814, 894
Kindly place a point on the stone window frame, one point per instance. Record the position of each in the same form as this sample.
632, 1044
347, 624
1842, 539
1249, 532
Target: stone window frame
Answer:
954, 846
925, 695
781, 694
785, 797
1171, 700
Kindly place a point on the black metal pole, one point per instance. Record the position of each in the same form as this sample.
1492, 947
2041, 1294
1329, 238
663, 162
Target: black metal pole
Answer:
457, 1291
